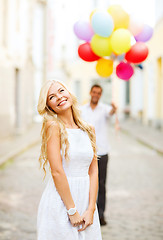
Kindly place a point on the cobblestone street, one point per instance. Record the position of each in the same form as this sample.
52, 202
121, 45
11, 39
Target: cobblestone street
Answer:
134, 193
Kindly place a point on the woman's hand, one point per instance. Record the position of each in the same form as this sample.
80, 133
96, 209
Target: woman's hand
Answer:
87, 219
76, 219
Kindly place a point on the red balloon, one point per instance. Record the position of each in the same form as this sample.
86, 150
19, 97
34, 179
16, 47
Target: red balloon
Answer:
85, 52
124, 71
137, 53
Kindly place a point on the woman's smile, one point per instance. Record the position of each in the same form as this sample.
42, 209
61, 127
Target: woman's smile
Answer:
62, 102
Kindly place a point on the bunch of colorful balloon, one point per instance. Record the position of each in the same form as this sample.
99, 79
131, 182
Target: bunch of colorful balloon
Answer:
108, 38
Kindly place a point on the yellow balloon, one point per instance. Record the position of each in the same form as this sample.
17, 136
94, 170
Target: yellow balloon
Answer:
101, 46
120, 41
120, 17
104, 67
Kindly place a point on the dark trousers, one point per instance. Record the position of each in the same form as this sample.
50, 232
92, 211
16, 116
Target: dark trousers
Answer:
102, 173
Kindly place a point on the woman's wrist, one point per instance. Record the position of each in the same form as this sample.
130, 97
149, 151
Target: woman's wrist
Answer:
91, 208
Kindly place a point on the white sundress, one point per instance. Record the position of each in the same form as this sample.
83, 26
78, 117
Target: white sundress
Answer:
52, 220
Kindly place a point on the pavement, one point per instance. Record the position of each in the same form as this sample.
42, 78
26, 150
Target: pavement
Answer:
150, 136
14, 145
134, 209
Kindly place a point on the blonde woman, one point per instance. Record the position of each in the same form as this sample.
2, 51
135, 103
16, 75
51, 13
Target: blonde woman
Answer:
67, 209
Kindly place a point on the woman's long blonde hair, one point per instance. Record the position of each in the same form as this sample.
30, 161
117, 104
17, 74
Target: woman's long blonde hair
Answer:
50, 116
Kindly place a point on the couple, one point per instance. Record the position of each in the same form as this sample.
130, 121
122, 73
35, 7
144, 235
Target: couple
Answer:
67, 209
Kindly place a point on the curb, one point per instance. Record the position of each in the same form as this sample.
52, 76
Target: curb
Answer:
16, 152
142, 141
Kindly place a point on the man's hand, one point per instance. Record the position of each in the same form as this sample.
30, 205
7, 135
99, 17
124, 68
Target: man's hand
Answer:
113, 105
114, 109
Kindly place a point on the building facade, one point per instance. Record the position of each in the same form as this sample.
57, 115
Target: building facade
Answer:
146, 87
22, 64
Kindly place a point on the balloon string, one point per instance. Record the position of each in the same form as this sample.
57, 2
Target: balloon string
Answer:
114, 91
117, 126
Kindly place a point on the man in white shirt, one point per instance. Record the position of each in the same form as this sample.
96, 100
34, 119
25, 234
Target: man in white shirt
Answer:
97, 114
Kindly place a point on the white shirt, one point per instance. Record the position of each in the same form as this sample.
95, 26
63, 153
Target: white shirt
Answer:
98, 118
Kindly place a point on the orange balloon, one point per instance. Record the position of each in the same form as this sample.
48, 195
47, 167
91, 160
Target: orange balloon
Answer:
120, 17
104, 67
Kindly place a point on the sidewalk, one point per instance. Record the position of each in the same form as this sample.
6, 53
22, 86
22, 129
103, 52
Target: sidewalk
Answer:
14, 145
151, 137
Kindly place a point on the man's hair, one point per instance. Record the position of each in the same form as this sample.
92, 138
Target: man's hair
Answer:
98, 86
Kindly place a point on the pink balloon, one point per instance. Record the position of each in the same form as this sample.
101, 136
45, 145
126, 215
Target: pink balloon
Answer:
135, 26
124, 71
83, 30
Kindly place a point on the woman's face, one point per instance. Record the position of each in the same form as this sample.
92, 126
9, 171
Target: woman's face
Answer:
58, 98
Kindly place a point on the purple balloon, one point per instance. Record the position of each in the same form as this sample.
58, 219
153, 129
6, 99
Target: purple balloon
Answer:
124, 71
83, 30
145, 34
